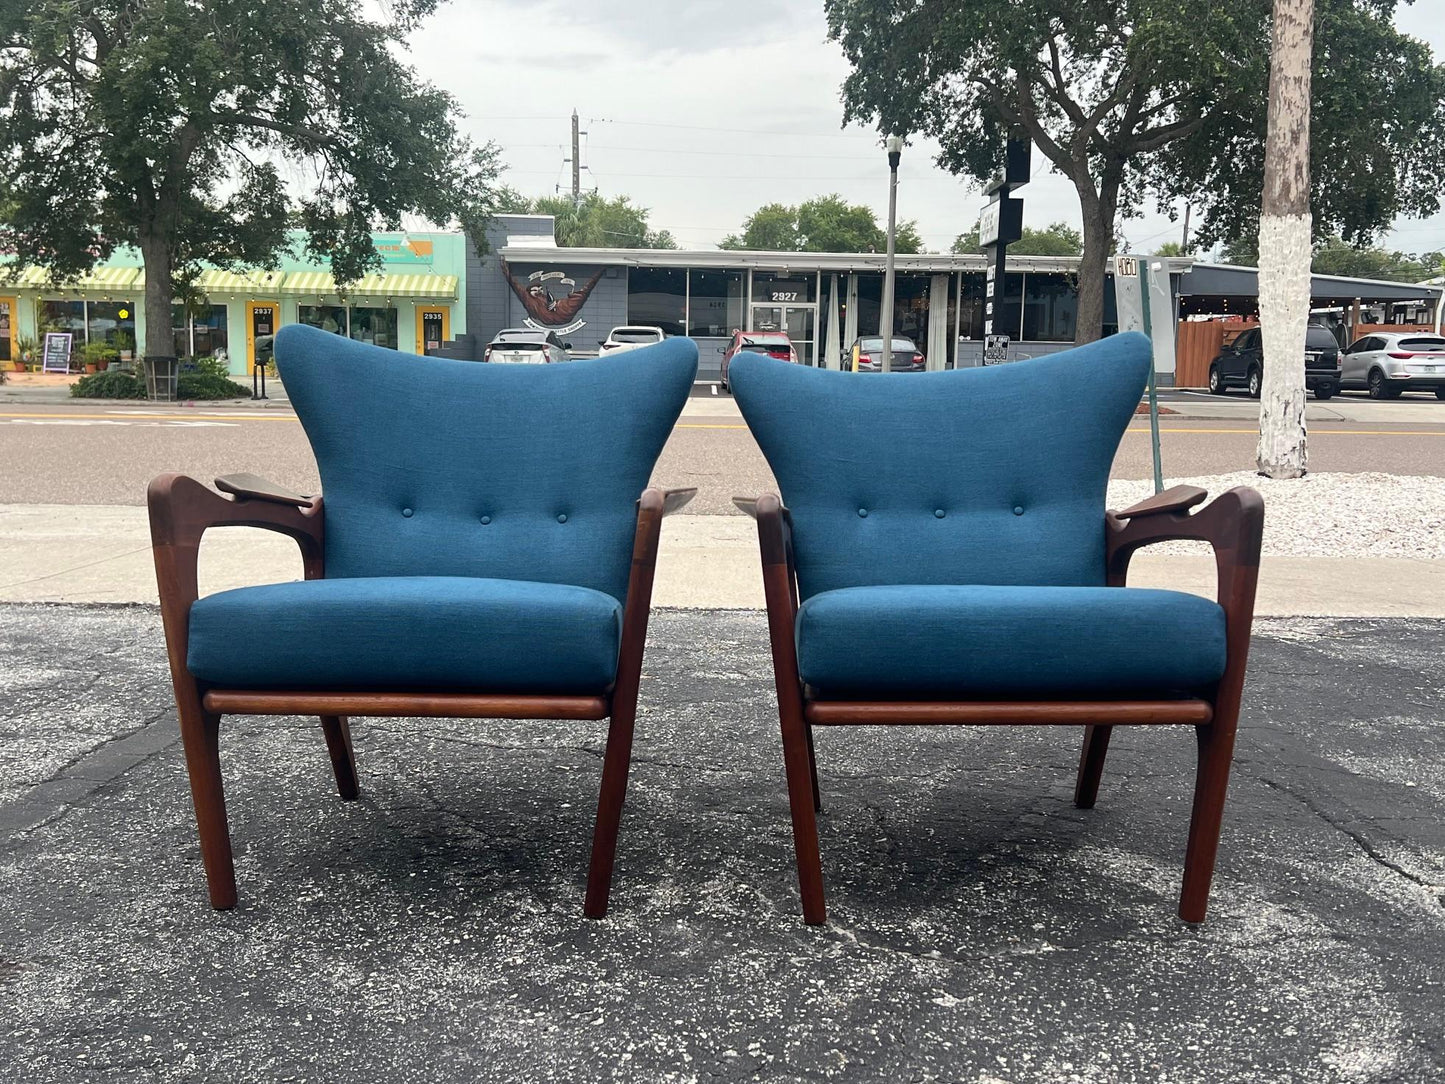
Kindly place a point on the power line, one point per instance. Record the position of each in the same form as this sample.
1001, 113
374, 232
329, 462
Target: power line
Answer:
709, 128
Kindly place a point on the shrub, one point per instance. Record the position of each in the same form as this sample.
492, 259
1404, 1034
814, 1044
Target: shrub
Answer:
111, 384
207, 385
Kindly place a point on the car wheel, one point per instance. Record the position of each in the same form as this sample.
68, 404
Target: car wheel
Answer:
1254, 380
1324, 391
1380, 387
1216, 382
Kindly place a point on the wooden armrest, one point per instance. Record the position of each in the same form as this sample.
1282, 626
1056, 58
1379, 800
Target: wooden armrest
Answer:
750, 504
1174, 499
673, 499
251, 487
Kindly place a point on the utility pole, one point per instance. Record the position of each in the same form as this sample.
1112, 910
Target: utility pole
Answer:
885, 357
576, 162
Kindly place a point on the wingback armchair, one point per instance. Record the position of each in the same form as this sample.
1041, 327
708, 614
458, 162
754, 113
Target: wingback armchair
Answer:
485, 548
944, 556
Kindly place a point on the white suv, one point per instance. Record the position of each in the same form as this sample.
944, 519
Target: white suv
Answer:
1386, 364
629, 338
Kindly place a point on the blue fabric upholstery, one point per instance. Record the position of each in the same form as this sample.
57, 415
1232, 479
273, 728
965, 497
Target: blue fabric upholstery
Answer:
408, 633
921, 641
974, 476
453, 468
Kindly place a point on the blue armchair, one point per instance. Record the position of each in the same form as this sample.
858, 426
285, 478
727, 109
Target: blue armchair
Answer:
482, 551
945, 557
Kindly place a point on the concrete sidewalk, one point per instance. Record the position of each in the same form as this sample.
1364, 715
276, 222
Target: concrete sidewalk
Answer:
101, 553
981, 928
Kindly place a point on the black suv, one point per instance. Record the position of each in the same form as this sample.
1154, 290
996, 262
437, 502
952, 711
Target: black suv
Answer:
1241, 364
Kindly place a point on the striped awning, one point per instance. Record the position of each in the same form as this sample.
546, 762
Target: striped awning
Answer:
322, 282
97, 278
216, 281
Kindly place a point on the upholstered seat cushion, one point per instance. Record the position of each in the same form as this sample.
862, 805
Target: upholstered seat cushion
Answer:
961, 642
408, 632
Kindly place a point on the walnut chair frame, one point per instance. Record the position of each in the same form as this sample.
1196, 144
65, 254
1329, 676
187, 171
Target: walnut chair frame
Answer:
182, 510
1232, 524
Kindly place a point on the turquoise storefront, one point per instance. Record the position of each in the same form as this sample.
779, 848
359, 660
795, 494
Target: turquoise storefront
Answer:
412, 303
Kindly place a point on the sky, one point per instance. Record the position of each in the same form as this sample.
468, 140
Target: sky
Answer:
705, 109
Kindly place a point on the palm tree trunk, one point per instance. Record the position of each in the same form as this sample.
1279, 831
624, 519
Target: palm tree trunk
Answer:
1284, 244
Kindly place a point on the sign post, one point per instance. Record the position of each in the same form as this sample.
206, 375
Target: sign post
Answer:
999, 223
56, 356
1131, 294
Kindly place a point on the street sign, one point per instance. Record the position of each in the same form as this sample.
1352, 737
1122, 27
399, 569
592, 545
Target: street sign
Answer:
995, 349
56, 356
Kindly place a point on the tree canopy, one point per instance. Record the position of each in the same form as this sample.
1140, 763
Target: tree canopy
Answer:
595, 222
822, 224
1333, 255
1055, 239
199, 130
1128, 97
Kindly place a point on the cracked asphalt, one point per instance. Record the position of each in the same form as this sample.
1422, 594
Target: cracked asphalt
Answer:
982, 929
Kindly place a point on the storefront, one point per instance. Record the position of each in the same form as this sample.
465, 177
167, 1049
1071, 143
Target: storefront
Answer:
412, 304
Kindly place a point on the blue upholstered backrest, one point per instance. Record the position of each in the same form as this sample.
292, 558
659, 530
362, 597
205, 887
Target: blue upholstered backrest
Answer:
975, 476
456, 468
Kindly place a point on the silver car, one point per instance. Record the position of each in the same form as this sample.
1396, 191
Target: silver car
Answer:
526, 346
1387, 363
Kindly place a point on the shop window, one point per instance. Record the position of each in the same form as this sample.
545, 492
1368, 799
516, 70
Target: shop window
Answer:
63, 316
204, 336
1051, 307
715, 304
1008, 311
330, 318
375, 326
774, 288
111, 322
870, 303
970, 314
657, 297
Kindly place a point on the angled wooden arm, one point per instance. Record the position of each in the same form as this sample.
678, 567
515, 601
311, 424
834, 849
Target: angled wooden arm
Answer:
1175, 499
651, 507
252, 487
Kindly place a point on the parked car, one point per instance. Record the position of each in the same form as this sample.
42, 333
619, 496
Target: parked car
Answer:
775, 344
1241, 364
629, 338
526, 346
866, 356
1388, 363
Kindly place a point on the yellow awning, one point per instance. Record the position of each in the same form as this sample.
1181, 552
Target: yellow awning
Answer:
382, 286
216, 281
110, 279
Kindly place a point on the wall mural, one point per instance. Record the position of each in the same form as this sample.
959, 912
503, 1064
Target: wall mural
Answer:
546, 312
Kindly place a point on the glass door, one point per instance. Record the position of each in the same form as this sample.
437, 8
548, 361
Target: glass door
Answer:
799, 321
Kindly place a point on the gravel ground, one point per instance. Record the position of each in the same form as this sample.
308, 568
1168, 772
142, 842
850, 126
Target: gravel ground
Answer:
1330, 515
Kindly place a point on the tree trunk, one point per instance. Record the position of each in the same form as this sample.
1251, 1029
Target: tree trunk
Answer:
1284, 244
1098, 210
155, 251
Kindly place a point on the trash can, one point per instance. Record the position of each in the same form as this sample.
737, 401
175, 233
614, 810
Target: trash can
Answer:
160, 374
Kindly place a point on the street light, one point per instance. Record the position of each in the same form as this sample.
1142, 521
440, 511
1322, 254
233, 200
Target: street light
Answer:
895, 151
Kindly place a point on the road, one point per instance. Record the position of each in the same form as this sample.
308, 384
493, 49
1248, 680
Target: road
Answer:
91, 454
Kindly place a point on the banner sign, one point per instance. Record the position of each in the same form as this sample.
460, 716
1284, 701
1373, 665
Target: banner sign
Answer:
56, 356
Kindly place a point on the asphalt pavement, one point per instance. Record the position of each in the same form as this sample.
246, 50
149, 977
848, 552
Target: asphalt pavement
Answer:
981, 928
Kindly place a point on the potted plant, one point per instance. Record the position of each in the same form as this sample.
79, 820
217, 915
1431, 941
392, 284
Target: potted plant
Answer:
97, 356
25, 348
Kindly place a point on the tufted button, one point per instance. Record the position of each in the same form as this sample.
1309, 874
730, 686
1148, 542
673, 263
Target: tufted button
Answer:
1018, 509
486, 520
406, 512
862, 513
938, 513
562, 517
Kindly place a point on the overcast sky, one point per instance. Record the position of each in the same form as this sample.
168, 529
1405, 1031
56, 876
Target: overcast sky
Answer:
703, 110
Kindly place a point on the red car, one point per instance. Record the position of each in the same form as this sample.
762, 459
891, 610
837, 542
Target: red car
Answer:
775, 344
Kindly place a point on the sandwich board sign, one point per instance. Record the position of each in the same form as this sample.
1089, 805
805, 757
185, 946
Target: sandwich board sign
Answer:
56, 356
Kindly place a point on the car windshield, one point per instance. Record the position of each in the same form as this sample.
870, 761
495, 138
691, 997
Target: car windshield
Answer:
634, 335
875, 345
1430, 343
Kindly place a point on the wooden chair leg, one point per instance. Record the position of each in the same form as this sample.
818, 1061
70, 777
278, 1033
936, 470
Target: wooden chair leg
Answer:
343, 759
609, 811
1091, 765
803, 802
1216, 751
813, 771
200, 736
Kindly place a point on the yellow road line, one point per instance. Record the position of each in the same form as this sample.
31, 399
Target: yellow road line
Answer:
122, 415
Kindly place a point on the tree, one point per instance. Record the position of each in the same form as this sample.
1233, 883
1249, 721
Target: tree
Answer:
822, 224
599, 222
1170, 248
1123, 94
1284, 244
1335, 256
162, 125
1056, 239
